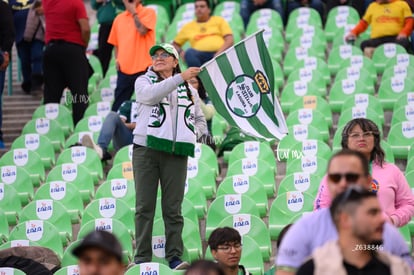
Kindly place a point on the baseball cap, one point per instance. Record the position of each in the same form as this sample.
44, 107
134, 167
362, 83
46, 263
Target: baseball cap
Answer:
101, 240
166, 47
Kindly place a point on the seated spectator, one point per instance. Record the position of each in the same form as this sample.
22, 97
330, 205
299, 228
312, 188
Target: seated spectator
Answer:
226, 248
394, 193
117, 127
391, 22
204, 267
358, 5
315, 229
314, 4
208, 36
99, 253
247, 7
358, 218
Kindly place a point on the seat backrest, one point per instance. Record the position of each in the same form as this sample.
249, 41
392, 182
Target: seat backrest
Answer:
19, 179
91, 124
400, 138
8, 202
38, 143
48, 127
76, 138
309, 164
300, 181
205, 154
253, 149
312, 147
121, 170
364, 101
313, 102
149, 268
101, 108
71, 269
123, 154
405, 99
54, 111
121, 189
384, 52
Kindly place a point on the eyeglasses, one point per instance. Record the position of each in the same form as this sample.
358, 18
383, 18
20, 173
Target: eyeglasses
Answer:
227, 247
349, 177
163, 55
364, 135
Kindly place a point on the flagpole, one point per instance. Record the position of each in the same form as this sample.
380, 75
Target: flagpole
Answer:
227, 50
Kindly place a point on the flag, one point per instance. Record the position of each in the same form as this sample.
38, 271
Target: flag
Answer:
240, 83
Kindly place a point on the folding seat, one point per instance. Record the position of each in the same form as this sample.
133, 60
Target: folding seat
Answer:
341, 33
76, 138
254, 227
400, 138
398, 70
57, 112
115, 227
310, 37
76, 174
29, 160
252, 149
300, 181
206, 154
410, 154
227, 205
300, 18
365, 101
309, 117
187, 210
358, 74
389, 155
120, 189
201, 171
193, 191
311, 164
11, 271
65, 270
68, 259
402, 59
20, 180
162, 21
405, 99
294, 58
111, 77
314, 103
101, 108
47, 127
8, 202
359, 112
312, 147
169, 6
309, 75
262, 18
123, 154
190, 236
89, 124
102, 94
121, 170
110, 208
292, 92
231, 6
402, 113
39, 144
248, 185
358, 61
284, 207
96, 66
338, 18
42, 232
4, 227
64, 192
153, 267
384, 52
85, 156
258, 168
51, 211
391, 89
218, 127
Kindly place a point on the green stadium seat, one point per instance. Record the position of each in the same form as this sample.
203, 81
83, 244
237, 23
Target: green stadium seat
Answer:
170, 6
218, 127
302, 17
398, 70
313, 147
65, 192
51, 211
199, 170
284, 207
310, 164
89, 124
207, 155
300, 181
294, 58
310, 37
8, 203
58, 112
358, 61
153, 267
76, 138
279, 76
338, 18
123, 154
227, 205
102, 94
120, 189
11, 271
101, 108
365, 101
403, 59
68, 258
39, 144
392, 88
47, 127
402, 113
42, 232
384, 52
358, 74
76, 174
400, 138
314, 103
252, 149
306, 75
359, 112
162, 23
263, 18
193, 191
254, 227
4, 227
71, 269
405, 99
309, 117
20, 180
292, 92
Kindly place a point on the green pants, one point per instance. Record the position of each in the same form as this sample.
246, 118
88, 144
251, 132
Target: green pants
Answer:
150, 168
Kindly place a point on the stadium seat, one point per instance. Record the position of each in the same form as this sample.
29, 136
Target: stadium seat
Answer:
258, 168
201, 171
4, 227
193, 191
89, 124
300, 18
149, 268
365, 101
247, 185
84, 156
410, 155
218, 127
359, 112
123, 154
292, 92
57, 112
101, 108
76, 138
310, 164
405, 99
404, 59
312, 147
263, 18
42, 232
76, 174
29, 160
205, 154
120, 189
340, 53
227, 205
20, 180
359, 61
39, 144
121, 170
68, 258
338, 18
309, 75
8, 202
384, 52
279, 76
294, 58
115, 227
47, 127
284, 207
11, 271
400, 138
65, 192
65, 270
402, 113
357, 74
102, 94
51, 211
310, 37
251, 226
314, 103
398, 70
252, 149
309, 117
300, 181
390, 89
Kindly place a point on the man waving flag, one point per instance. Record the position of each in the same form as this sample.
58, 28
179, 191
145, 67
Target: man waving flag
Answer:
240, 83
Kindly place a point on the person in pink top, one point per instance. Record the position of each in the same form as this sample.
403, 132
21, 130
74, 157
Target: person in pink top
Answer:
394, 193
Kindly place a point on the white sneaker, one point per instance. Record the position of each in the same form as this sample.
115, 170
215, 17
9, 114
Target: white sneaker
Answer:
88, 142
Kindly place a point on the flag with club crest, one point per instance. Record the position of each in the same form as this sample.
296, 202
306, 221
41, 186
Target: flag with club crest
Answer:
240, 83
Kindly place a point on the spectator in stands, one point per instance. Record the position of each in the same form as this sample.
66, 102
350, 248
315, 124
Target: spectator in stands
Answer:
204, 267
7, 35
132, 34
358, 5
169, 120
313, 230
226, 248
358, 218
29, 52
314, 4
99, 253
394, 193
208, 36
391, 22
64, 59
117, 127
247, 7
106, 13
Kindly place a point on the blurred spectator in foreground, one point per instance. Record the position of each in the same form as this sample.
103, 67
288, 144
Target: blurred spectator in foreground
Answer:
247, 7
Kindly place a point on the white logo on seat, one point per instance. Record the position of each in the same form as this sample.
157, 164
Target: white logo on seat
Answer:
232, 203
242, 223
8, 174
158, 246
57, 190
301, 181
119, 188
107, 207
34, 230
44, 209
32, 141
241, 183
78, 154
20, 156
294, 201
249, 166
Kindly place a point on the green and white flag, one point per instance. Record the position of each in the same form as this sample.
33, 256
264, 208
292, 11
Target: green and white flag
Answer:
240, 83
